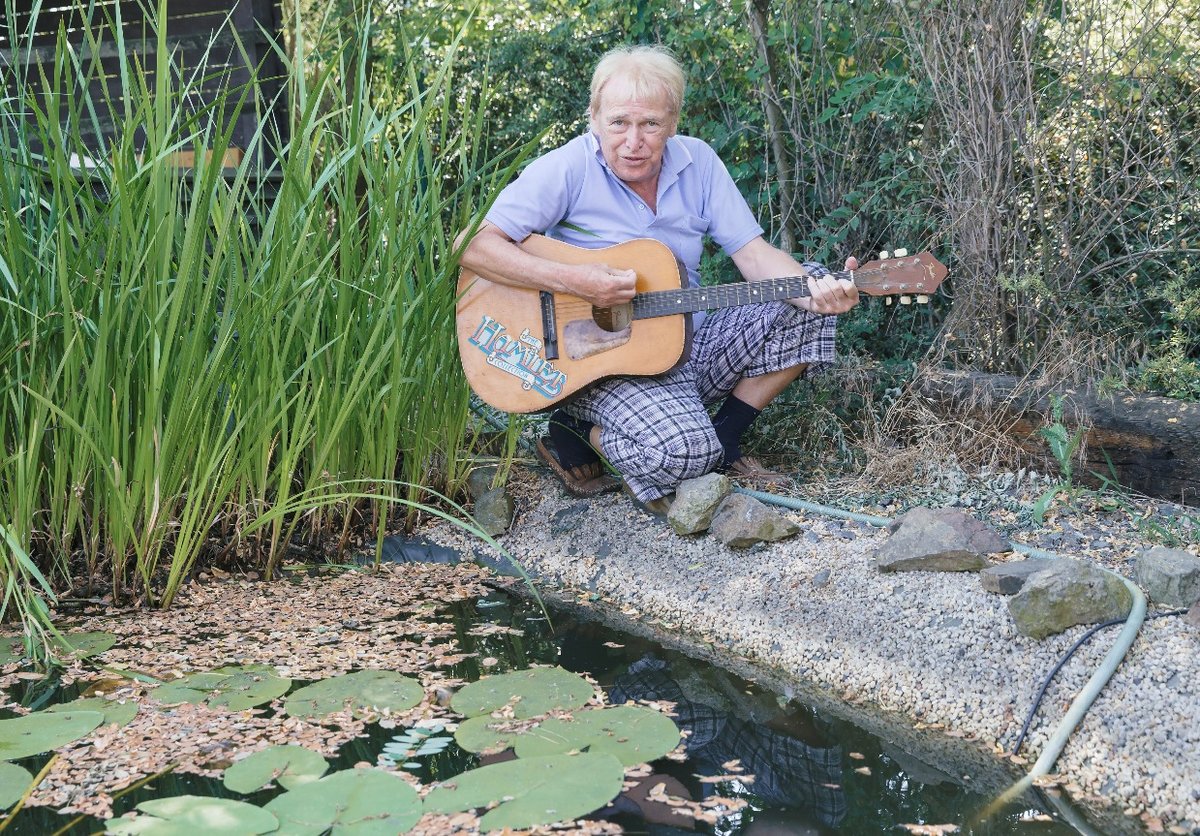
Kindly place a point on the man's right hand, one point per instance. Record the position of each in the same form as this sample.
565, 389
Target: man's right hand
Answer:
604, 286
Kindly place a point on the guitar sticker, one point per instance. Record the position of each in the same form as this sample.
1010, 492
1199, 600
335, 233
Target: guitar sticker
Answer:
520, 357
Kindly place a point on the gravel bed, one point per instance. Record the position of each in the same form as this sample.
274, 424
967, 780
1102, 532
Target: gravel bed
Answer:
927, 649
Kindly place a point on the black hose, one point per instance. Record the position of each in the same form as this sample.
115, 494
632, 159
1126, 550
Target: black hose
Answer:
1037, 701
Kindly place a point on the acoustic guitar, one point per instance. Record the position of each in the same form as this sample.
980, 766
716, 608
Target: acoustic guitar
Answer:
527, 350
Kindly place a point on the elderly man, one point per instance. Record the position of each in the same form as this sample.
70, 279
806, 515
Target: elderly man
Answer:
632, 176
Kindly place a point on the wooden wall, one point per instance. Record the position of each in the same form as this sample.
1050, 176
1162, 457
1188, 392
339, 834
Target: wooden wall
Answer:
216, 41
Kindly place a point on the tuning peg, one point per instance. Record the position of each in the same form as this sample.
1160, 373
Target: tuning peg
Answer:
883, 255
906, 300
922, 299
900, 253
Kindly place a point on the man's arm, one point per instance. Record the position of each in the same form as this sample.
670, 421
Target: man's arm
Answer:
759, 260
492, 254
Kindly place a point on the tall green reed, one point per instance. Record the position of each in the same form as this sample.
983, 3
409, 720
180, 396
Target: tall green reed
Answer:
215, 362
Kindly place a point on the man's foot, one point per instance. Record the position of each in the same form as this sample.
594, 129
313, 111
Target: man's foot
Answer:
582, 480
750, 470
658, 507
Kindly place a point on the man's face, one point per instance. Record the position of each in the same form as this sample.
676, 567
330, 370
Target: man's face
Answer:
633, 133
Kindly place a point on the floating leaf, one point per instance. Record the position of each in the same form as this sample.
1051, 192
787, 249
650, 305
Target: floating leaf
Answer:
532, 791
360, 691
484, 734
292, 766
236, 687
537, 691
120, 712
12, 649
14, 780
362, 802
195, 814
32, 734
82, 645
631, 733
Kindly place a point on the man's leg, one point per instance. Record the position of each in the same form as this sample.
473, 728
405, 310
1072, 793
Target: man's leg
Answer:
747, 356
654, 430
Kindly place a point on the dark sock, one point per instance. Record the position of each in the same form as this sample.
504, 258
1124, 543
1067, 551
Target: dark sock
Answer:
731, 422
570, 437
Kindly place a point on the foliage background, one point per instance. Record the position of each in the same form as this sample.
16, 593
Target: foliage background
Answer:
1045, 151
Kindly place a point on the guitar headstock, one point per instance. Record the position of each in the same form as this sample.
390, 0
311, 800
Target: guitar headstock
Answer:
903, 274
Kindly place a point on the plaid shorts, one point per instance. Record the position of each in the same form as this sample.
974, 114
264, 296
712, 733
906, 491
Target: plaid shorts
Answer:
656, 431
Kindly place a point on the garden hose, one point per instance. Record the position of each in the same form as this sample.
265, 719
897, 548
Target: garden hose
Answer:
1085, 698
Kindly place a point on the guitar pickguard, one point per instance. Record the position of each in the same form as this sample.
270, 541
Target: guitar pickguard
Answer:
520, 357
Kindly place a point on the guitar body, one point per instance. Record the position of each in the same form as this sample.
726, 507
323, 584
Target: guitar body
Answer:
504, 332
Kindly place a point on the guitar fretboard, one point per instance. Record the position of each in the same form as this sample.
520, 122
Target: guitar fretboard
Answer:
690, 299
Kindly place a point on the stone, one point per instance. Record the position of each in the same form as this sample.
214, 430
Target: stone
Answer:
569, 519
822, 578
1067, 594
1193, 616
937, 540
1170, 576
494, 511
696, 501
742, 521
479, 481
1008, 578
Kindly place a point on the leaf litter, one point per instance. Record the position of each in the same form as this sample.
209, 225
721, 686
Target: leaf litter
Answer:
308, 629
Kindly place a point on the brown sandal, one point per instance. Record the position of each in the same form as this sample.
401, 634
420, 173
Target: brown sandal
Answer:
584, 480
750, 470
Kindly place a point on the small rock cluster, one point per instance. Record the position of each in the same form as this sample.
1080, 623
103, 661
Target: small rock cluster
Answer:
1049, 595
708, 503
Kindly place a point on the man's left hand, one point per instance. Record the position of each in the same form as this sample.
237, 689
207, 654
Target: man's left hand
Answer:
829, 295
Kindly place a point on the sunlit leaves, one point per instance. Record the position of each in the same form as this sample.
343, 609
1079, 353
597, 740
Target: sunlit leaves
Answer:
21, 737
291, 766
381, 691
532, 791
530, 693
14, 780
633, 734
236, 687
184, 814
362, 802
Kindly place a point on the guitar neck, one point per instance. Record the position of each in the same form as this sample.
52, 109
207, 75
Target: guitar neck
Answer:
690, 299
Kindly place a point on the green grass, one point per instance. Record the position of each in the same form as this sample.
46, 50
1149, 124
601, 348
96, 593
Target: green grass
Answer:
202, 366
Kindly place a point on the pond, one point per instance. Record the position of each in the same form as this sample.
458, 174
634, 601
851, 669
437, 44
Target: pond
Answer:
750, 762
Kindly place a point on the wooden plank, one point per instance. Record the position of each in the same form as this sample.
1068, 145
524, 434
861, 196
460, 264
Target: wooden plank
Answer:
1152, 443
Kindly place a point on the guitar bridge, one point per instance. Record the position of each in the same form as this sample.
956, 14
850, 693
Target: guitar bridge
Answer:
549, 325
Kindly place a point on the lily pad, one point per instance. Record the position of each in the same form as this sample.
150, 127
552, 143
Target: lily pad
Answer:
82, 645
32, 734
361, 802
631, 733
182, 814
236, 687
532, 791
360, 691
292, 766
12, 649
14, 780
536, 691
120, 712
484, 734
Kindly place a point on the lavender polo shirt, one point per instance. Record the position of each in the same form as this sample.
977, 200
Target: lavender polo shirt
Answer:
571, 194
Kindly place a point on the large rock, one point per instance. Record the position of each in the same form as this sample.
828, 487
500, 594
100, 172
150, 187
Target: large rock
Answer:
937, 540
479, 481
1067, 594
1169, 576
742, 521
696, 501
1008, 578
494, 511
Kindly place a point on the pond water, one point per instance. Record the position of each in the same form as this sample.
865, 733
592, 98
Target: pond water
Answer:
812, 774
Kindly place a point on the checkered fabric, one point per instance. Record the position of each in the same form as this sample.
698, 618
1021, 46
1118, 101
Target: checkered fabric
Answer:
786, 771
657, 432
